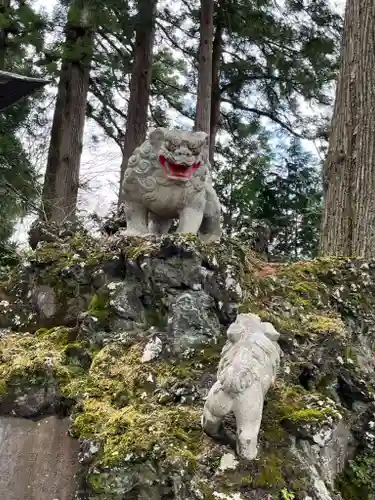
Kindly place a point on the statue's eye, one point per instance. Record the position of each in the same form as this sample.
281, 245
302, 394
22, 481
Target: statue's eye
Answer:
170, 146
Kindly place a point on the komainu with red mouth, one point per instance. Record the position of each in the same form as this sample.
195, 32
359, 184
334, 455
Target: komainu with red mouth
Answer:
168, 177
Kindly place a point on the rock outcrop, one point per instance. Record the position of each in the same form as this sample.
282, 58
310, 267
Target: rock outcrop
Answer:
124, 335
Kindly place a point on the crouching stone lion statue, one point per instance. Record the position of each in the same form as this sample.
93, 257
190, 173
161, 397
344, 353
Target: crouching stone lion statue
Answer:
168, 177
248, 366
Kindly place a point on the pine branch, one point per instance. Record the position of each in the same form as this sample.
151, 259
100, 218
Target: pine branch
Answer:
266, 114
107, 128
120, 52
95, 90
189, 53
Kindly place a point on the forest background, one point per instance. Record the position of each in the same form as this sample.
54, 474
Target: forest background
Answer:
101, 157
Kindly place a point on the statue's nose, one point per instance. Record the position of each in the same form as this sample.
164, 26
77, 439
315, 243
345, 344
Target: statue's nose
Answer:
183, 152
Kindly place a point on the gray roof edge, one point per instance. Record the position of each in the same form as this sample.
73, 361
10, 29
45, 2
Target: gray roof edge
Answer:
23, 77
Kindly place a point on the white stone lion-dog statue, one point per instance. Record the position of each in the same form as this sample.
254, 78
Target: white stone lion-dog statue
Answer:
248, 367
168, 177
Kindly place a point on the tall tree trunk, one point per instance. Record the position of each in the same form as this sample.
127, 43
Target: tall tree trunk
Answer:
61, 181
136, 124
203, 112
217, 51
4, 6
348, 226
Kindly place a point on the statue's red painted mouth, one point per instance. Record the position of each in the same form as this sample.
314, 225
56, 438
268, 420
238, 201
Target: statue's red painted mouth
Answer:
176, 171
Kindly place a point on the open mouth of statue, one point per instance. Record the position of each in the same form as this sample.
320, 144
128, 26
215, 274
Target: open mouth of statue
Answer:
177, 171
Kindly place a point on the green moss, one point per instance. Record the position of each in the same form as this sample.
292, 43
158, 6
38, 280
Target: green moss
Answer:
325, 324
276, 468
59, 336
50, 253
120, 406
146, 430
350, 354
295, 404
28, 360
287, 495
310, 415
118, 375
99, 306
139, 247
270, 474
297, 299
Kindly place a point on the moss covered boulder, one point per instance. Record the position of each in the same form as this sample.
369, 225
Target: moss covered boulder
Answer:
124, 335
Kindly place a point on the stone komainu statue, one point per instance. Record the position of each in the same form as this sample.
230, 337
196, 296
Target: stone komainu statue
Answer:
247, 368
168, 177
13, 87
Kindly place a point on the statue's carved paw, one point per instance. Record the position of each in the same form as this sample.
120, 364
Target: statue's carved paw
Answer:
248, 448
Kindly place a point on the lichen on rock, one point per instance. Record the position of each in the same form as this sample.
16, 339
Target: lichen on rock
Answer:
126, 339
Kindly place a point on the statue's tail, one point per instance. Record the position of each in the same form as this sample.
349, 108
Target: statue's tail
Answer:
13, 87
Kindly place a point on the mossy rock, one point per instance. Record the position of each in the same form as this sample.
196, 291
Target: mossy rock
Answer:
135, 410
34, 368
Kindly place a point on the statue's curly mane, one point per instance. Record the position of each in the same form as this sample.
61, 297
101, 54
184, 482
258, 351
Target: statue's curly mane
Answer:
144, 159
242, 362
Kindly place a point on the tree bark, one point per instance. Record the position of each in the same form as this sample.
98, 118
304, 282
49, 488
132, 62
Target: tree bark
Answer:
4, 6
140, 83
203, 111
61, 181
348, 227
217, 51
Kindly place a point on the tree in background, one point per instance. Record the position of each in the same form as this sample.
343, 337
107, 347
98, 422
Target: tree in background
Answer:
140, 83
203, 109
289, 202
348, 226
255, 52
22, 32
270, 200
61, 181
268, 59
111, 67
217, 54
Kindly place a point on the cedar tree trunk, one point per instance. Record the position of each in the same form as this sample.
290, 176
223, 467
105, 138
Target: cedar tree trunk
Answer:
4, 6
62, 175
203, 112
348, 227
215, 91
140, 83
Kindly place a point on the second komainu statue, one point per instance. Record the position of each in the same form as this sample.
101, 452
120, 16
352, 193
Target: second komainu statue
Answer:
248, 367
168, 177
